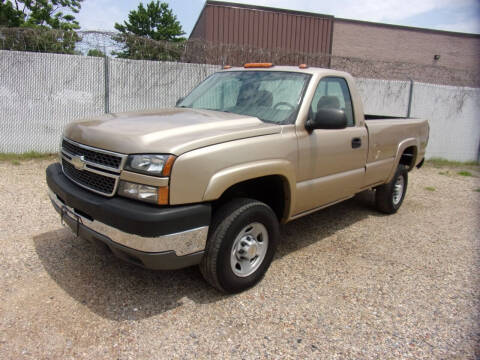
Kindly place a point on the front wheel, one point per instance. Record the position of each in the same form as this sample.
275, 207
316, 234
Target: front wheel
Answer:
240, 246
389, 197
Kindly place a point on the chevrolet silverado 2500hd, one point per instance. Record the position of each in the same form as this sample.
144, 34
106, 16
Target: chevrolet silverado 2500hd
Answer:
209, 181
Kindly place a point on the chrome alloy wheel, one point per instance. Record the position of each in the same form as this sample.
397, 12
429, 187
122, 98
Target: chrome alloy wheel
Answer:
249, 249
398, 188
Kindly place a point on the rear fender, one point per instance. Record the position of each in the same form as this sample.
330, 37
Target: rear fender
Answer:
401, 148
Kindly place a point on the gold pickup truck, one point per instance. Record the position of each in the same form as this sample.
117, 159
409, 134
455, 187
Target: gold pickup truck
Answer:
209, 181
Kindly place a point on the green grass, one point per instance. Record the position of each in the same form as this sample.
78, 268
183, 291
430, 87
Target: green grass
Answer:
15, 158
430, 188
477, 190
439, 162
461, 167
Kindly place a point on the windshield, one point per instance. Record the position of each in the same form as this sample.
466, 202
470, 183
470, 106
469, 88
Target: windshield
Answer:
271, 96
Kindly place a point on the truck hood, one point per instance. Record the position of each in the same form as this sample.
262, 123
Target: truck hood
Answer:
170, 131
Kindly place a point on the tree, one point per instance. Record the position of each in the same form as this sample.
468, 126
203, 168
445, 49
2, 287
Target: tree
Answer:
42, 25
9, 16
148, 32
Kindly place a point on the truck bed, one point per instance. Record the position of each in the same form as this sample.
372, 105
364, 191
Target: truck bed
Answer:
385, 133
382, 117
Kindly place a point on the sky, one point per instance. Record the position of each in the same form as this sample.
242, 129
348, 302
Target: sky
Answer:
452, 15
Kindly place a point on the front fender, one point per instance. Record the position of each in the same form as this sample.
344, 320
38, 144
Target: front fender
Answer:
204, 174
228, 177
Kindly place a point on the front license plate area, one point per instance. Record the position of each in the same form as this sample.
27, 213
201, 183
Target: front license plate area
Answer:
70, 219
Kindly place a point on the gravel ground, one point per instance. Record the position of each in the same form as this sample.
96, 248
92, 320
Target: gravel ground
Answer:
348, 282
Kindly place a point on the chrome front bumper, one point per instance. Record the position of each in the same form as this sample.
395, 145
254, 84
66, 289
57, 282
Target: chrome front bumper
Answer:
182, 243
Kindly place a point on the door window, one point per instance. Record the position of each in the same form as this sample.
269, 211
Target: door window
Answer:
333, 92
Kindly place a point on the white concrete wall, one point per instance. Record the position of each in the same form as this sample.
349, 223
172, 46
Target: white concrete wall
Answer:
41, 93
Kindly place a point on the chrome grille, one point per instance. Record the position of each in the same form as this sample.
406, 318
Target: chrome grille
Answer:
99, 158
94, 169
99, 183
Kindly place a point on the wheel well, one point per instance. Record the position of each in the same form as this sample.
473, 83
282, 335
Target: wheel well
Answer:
272, 190
409, 157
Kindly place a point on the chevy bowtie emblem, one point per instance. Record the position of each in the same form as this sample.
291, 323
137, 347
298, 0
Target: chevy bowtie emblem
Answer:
78, 162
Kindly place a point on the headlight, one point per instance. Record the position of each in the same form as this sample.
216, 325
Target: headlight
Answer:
157, 165
151, 194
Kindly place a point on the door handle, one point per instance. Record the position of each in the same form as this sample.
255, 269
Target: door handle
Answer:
356, 143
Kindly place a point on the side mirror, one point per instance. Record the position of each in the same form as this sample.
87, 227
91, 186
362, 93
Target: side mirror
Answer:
179, 101
327, 119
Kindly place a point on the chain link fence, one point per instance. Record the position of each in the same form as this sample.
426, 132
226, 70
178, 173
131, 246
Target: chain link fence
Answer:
42, 92
201, 52
141, 84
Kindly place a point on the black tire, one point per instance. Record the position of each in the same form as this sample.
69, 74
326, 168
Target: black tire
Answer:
228, 221
385, 194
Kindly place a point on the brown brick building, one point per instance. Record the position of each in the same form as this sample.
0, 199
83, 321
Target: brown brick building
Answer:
377, 41
363, 48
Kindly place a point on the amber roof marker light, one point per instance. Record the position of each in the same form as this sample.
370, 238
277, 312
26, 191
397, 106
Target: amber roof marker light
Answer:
303, 66
226, 67
257, 65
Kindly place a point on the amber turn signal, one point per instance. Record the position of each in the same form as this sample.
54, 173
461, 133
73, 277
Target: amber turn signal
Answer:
163, 195
258, 65
167, 168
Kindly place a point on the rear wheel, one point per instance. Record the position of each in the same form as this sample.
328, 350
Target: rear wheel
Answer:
240, 246
389, 197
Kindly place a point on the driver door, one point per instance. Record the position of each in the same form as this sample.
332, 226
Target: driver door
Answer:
331, 162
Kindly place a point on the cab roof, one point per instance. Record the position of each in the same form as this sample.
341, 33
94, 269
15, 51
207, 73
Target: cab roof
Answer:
308, 70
